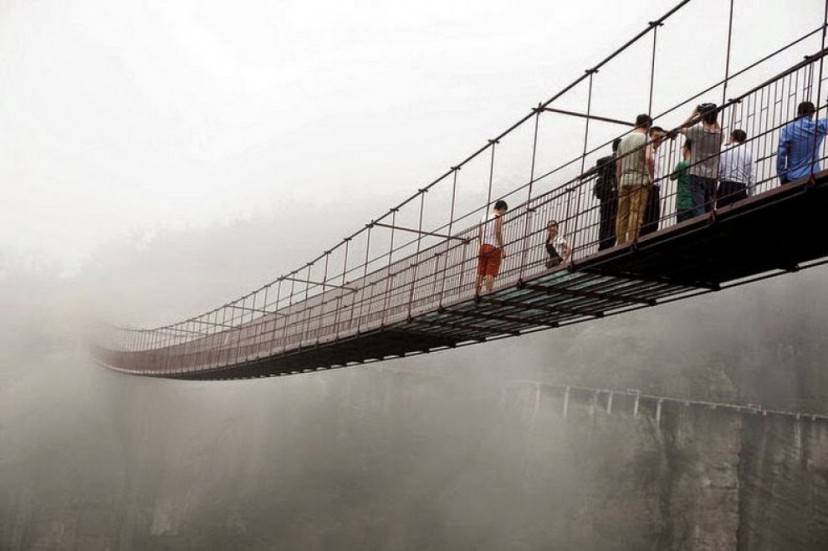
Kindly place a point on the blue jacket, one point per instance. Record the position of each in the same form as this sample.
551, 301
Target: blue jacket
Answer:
800, 146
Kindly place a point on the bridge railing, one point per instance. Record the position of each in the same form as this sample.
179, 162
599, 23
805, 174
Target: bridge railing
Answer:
410, 262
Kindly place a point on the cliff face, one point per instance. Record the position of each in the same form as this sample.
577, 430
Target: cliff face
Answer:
397, 458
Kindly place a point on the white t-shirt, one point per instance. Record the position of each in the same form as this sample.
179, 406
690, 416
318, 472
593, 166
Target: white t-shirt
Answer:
560, 245
489, 233
736, 165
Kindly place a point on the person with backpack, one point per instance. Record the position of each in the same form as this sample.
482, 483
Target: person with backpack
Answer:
606, 191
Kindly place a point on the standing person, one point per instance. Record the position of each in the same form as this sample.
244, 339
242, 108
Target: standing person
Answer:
652, 213
684, 199
606, 191
634, 173
735, 171
491, 247
799, 145
557, 247
702, 127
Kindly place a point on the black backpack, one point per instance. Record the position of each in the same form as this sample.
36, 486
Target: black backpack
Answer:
605, 182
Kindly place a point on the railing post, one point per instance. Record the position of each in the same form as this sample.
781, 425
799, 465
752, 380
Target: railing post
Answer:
527, 225
578, 213
389, 277
262, 325
819, 86
342, 292
727, 54
451, 225
272, 342
415, 268
364, 280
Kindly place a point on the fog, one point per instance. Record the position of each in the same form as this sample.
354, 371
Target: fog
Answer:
160, 159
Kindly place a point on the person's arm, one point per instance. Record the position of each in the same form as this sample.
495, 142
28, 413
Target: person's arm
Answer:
499, 234
782, 155
676, 172
749, 170
567, 251
689, 122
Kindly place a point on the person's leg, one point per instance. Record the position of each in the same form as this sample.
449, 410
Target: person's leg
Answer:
724, 194
603, 224
729, 193
696, 196
638, 204
493, 267
482, 261
613, 211
622, 218
652, 212
709, 194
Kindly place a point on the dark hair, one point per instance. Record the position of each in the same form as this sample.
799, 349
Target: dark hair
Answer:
688, 144
806, 108
643, 121
552, 222
656, 129
615, 143
739, 135
501, 205
709, 112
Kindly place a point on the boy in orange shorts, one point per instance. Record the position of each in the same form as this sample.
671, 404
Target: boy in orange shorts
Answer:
491, 247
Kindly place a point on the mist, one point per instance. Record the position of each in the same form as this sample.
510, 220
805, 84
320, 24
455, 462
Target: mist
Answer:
161, 159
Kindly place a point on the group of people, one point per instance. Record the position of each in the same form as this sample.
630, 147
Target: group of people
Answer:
628, 182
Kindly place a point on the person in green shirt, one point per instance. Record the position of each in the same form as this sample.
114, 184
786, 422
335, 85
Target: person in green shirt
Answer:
684, 199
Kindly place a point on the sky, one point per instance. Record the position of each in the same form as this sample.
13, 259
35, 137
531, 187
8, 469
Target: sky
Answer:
121, 121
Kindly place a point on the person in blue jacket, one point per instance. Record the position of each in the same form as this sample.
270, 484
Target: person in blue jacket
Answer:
800, 145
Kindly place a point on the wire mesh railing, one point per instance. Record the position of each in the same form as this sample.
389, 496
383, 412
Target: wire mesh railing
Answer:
422, 255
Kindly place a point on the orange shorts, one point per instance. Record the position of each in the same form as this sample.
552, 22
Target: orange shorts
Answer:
488, 263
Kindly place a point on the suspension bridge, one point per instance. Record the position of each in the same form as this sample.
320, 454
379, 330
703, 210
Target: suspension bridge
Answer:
404, 283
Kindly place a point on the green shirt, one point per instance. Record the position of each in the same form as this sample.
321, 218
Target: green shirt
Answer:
684, 200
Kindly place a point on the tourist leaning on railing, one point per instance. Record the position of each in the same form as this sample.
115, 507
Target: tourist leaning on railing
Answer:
606, 191
702, 127
800, 144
